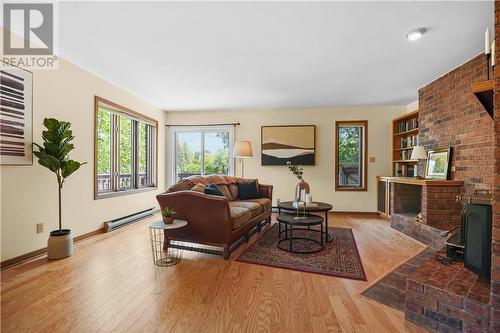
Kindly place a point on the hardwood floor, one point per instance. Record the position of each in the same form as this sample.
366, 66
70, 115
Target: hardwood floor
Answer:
111, 284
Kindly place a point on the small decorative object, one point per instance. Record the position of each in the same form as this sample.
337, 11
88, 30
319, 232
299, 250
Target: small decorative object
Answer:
293, 143
302, 185
438, 163
487, 51
16, 117
54, 156
168, 215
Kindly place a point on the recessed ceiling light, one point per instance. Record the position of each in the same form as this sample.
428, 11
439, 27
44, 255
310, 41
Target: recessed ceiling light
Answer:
415, 34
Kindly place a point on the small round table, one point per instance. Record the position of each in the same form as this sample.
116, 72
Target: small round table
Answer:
317, 208
161, 257
304, 223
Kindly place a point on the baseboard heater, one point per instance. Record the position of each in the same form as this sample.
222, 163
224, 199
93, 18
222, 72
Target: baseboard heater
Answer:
129, 219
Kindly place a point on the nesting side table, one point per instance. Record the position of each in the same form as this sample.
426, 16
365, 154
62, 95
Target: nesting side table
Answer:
162, 257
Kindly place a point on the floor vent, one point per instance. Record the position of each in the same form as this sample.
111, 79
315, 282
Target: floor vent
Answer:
126, 220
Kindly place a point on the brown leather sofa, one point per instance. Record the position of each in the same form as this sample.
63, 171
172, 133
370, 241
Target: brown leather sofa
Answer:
215, 220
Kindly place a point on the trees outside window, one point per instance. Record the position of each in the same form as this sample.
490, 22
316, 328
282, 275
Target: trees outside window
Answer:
351, 152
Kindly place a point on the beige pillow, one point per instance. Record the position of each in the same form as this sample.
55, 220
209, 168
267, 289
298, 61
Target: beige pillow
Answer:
199, 188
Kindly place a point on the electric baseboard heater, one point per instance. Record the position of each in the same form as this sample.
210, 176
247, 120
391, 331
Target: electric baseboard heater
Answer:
129, 219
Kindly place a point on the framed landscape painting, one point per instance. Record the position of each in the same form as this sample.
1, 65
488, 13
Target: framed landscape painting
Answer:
16, 118
438, 163
294, 143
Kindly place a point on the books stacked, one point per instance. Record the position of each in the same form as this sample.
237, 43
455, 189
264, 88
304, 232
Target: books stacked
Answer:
407, 125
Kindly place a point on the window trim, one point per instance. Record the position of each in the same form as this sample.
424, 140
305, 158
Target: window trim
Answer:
202, 130
364, 159
114, 162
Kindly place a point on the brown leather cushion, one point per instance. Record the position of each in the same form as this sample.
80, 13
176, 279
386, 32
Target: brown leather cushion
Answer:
254, 207
264, 202
239, 215
233, 189
212, 179
181, 185
223, 188
199, 188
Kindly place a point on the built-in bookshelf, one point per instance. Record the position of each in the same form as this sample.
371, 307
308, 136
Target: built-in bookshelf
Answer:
404, 138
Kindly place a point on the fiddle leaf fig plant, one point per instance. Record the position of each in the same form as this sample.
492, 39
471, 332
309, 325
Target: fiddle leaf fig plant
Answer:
53, 153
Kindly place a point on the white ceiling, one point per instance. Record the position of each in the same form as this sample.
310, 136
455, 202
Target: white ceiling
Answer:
242, 55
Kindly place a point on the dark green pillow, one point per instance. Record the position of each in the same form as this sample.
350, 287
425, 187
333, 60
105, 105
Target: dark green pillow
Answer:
248, 191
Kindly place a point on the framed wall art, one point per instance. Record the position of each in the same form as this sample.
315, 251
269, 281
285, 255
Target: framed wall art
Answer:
438, 163
294, 143
16, 116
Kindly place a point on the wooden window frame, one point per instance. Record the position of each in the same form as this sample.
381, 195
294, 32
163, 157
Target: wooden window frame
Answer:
364, 159
114, 151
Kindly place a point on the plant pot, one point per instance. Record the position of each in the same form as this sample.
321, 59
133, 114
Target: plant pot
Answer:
60, 244
168, 220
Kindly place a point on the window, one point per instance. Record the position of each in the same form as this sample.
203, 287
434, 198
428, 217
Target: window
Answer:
351, 152
202, 151
125, 150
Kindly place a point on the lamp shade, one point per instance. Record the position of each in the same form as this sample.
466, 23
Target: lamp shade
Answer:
242, 149
418, 153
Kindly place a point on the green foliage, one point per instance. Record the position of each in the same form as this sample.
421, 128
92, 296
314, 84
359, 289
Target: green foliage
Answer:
53, 154
125, 148
349, 144
297, 170
168, 212
103, 142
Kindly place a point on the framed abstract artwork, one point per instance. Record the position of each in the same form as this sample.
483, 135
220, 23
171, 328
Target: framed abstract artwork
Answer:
294, 143
16, 116
438, 163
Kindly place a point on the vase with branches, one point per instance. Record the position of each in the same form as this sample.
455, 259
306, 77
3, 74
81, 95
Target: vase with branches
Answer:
302, 185
53, 154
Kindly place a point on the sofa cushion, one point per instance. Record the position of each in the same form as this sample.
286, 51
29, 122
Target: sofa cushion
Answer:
233, 190
264, 202
181, 185
213, 190
212, 179
239, 215
248, 190
224, 189
254, 207
199, 188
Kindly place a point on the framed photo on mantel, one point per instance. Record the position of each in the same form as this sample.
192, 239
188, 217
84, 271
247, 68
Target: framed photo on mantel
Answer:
16, 116
438, 163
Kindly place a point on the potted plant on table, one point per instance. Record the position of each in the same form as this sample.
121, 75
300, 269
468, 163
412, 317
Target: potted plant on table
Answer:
168, 215
53, 155
298, 171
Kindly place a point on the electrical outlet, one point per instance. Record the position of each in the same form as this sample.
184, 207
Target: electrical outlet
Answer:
39, 228
453, 168
371, 159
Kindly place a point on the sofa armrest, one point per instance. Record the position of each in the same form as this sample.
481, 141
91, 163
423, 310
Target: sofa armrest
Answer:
208, 216
266, 191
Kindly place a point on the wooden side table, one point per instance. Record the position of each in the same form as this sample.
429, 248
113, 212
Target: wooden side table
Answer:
170, 256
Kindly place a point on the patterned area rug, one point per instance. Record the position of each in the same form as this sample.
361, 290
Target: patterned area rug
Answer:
340, 257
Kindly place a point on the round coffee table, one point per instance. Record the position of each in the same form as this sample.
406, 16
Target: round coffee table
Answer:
319, 207
303, 223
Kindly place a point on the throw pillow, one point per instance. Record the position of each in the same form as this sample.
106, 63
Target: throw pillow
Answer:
213, 190
248, 191
199, 188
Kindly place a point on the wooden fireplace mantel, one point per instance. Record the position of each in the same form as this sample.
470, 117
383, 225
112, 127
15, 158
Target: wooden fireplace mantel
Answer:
420, 182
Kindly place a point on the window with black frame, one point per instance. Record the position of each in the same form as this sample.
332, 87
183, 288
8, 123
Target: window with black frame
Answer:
351, 155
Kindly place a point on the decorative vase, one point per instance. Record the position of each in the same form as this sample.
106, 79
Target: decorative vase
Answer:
301, 185
60, 244
168, 220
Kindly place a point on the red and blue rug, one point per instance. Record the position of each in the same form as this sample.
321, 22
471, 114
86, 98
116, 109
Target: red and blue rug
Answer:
340, 257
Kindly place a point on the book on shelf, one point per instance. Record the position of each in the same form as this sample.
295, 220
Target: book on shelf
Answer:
407, 125
409, 141
403, 170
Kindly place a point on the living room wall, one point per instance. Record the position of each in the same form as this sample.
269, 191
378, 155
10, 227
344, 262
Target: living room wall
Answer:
29, 193
321, 176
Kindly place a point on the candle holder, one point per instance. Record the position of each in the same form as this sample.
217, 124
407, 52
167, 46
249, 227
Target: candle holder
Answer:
487, 56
